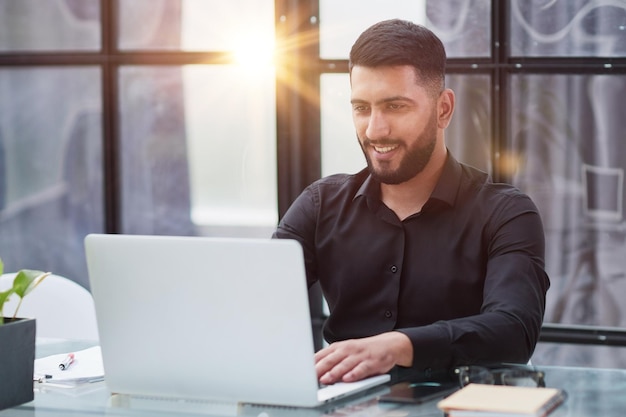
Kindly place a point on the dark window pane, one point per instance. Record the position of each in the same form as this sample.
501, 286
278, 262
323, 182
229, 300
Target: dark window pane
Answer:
49, 25
51, 181
568, 28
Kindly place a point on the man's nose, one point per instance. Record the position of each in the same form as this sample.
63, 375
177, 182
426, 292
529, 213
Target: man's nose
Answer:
378, 126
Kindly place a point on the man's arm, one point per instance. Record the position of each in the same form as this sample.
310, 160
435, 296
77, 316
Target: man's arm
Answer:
514, 294
355, 359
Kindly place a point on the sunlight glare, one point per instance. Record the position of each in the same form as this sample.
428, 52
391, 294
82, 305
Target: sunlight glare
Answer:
255, 51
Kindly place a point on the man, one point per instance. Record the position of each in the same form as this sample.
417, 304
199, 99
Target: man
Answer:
425, 263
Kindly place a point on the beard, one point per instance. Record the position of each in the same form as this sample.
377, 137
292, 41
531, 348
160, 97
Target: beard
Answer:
414, 161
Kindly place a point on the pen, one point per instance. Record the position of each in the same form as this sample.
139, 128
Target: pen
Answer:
69, 359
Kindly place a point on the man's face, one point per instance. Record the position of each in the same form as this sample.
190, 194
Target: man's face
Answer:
395, 120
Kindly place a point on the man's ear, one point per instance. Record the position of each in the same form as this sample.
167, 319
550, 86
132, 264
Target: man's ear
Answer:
445, 108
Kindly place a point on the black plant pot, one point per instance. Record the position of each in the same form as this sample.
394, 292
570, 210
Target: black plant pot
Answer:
17, 361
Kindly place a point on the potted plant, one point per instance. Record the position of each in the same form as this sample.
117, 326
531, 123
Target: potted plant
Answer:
17, 342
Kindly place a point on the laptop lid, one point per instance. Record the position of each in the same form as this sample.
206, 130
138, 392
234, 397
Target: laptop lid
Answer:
217, 319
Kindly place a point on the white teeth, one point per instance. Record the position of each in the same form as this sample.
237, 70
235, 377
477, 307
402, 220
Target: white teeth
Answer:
384, 149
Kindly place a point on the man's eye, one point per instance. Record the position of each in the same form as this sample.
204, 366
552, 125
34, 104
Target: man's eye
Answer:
395, 106
360, 109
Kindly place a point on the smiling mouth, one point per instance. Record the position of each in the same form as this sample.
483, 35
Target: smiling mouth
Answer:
384, 149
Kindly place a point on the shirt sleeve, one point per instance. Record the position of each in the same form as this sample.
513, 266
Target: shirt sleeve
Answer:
298, 223
508, 325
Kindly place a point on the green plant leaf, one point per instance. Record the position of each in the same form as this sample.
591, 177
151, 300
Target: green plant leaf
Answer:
26, 280
4, 297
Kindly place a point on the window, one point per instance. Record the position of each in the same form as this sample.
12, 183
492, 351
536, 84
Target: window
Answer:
111, 126
51, 136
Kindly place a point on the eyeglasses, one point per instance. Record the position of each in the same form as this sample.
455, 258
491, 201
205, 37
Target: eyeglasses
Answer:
523, 377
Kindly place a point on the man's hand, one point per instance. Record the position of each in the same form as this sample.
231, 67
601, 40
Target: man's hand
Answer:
355, 359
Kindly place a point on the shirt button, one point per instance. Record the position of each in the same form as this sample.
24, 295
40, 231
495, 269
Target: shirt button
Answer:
394, 269
388, 314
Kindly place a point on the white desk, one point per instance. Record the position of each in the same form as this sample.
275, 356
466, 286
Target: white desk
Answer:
592, 393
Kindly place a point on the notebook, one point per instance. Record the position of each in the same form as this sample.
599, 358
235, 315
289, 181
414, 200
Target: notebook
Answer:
214, 319
481, 400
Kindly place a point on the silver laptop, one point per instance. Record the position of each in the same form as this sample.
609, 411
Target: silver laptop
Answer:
215, 319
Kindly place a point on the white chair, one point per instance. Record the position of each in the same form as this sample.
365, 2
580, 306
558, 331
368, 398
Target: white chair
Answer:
63, 308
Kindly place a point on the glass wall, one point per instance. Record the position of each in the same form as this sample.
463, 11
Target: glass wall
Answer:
191, 143
39, 26
568, 28
51, 183
463, 26
198, 142
566, 133
51, 149
198, 149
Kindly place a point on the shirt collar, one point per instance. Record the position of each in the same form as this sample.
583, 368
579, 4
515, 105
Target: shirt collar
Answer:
445, 190
369, 188
448, 184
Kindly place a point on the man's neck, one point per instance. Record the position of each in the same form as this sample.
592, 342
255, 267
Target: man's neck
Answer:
409, 197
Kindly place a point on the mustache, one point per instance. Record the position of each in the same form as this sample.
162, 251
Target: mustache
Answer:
381, 142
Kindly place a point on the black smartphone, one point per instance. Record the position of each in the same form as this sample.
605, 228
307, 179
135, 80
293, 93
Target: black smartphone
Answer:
418, 392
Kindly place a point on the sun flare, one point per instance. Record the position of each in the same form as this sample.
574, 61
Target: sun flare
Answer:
255, 51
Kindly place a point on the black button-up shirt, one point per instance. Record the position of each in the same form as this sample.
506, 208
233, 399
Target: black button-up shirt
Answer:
464, 278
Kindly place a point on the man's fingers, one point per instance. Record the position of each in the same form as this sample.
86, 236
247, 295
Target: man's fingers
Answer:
340, 359
338, 370
355, 359
360, 371
326, 361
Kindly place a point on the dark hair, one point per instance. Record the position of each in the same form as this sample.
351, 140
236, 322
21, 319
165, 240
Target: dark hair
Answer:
400, 42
